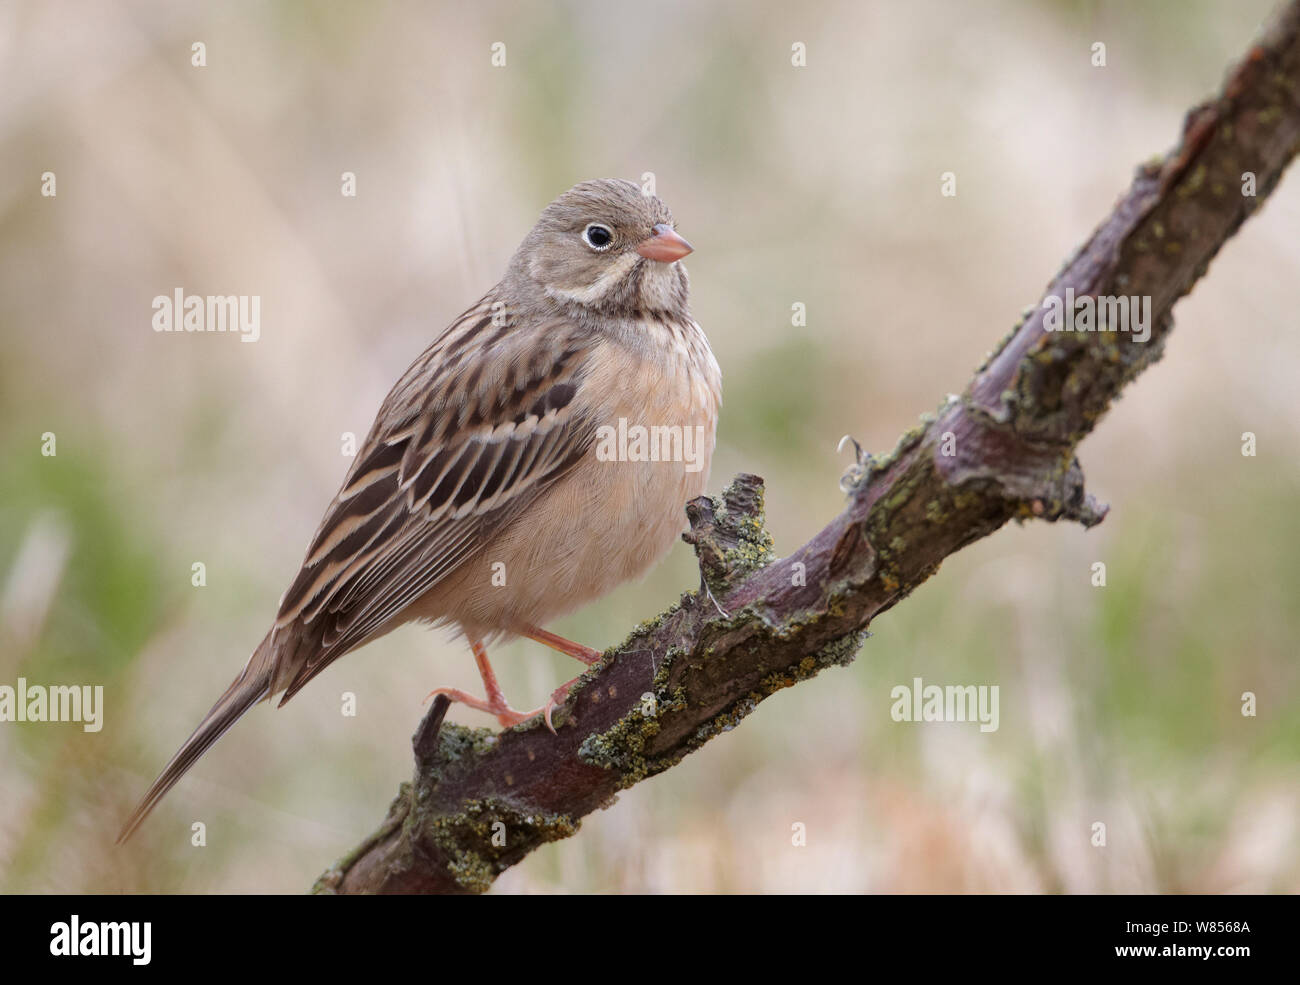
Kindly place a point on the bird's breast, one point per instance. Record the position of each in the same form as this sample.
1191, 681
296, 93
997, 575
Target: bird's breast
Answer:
622, 507
655, 429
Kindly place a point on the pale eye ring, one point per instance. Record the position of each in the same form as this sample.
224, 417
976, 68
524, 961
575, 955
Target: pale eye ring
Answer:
598, 237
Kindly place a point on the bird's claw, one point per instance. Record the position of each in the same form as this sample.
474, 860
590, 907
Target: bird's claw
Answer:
506, 716
558, 697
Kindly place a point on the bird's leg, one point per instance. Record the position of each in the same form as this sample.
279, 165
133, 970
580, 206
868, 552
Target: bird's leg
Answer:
569, 648
496, 703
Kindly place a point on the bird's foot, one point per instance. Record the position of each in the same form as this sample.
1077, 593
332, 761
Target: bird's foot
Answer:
578, 651
558, 697
496, 705
506, 715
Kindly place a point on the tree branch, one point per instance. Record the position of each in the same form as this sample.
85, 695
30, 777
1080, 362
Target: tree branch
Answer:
479, 802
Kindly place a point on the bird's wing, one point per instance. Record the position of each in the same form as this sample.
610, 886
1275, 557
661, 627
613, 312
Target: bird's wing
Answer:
486, 418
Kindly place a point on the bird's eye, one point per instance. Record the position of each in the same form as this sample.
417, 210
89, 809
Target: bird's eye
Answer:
598, 237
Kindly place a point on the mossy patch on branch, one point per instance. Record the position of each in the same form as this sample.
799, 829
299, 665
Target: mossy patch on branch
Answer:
486, 836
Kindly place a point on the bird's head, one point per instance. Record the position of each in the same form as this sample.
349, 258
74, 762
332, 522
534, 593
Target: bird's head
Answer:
607, 247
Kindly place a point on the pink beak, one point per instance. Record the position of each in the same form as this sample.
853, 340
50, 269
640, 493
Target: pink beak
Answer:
665, 245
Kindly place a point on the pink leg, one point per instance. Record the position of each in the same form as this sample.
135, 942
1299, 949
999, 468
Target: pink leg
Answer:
496, 703
569, 648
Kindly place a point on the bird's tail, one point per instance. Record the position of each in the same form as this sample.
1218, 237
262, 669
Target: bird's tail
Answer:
251, 686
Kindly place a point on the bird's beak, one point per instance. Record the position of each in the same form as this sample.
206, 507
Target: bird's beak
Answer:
665, 245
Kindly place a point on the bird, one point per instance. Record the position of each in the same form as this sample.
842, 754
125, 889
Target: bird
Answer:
498, 489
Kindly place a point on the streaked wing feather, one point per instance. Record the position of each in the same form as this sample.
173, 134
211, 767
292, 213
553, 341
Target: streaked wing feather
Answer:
474, 430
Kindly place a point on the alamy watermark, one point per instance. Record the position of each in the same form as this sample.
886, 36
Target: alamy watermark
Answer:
1122, 313
102, 939
653, 443
953, 703
233, 313
56, 703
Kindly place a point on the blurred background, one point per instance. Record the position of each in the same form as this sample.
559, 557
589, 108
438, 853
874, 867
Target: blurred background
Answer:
817, 184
